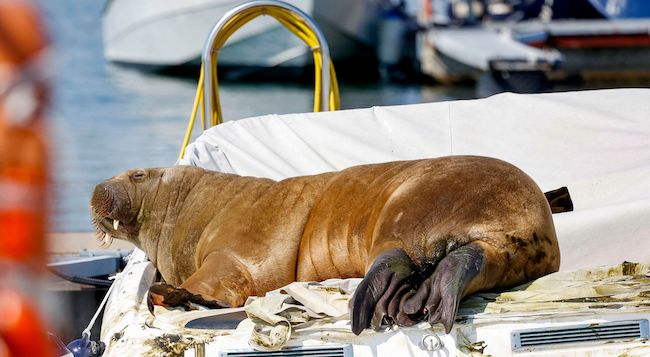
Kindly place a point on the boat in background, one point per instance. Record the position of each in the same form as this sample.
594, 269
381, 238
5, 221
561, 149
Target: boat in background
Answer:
163, 34
518, 46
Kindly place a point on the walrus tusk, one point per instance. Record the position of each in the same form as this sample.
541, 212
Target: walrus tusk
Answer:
108, 239
116, 224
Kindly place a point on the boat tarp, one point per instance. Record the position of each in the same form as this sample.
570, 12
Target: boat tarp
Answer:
597, 143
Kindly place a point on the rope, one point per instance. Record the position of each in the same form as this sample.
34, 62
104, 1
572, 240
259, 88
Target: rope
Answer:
296, 25
198, 98
86, 332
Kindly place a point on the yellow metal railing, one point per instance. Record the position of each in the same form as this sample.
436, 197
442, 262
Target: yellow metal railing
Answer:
326, 92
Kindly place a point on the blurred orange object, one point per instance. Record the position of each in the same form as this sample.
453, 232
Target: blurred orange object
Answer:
23, 179
23, 169
19, 327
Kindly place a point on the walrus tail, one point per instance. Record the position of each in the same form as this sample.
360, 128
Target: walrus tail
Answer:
559, 200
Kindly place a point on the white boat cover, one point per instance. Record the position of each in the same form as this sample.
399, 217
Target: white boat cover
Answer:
595, 142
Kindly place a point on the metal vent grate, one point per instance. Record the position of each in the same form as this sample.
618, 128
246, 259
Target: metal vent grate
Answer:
312, 351
607, 331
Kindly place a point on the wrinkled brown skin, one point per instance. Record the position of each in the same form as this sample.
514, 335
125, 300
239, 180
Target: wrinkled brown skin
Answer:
424, 233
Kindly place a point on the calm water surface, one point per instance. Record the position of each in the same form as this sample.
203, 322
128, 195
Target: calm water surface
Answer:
106, 119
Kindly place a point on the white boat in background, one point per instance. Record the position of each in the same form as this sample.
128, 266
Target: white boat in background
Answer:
165, 33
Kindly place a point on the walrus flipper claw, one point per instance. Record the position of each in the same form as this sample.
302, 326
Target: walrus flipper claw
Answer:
381, 290
449, 282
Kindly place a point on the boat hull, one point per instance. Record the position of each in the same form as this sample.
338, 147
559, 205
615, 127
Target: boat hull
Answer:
588, 49
167, 33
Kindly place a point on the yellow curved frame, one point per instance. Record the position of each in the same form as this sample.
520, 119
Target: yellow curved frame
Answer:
293, 23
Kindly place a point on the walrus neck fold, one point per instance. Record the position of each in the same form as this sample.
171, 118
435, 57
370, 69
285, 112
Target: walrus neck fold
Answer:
171, 204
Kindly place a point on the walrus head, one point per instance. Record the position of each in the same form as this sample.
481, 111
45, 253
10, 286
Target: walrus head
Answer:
116, 204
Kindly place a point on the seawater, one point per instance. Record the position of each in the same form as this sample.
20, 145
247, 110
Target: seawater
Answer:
105, 119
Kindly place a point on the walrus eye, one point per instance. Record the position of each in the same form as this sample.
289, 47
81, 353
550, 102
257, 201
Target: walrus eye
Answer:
138, 175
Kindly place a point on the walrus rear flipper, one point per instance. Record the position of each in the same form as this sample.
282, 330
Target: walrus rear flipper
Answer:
447, 285
390, 277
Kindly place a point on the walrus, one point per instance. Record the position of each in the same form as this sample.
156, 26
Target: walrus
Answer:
423, 234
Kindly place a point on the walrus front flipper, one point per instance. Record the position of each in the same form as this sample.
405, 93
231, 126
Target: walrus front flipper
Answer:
222, 278
439, 295
389, 278
169, 296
